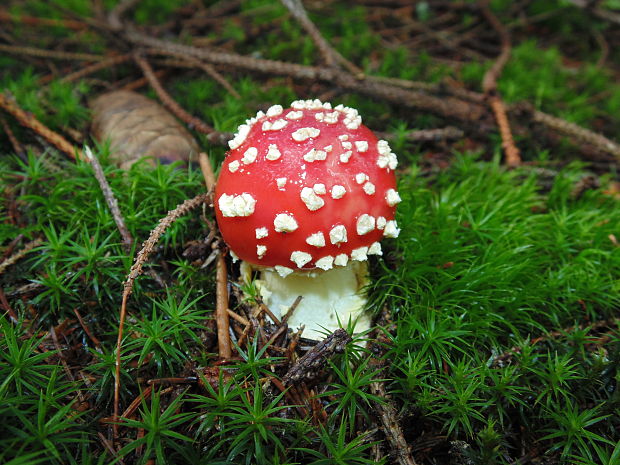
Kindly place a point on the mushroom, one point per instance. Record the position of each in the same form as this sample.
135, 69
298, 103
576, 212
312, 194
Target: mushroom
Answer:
304, 196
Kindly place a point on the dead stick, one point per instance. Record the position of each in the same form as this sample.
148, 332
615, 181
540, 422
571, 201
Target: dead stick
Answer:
5, 16
19, 255
221, 306
86, 329
391, 428
211, 71
109, 448
238, 318
513, 157
117, 60
110, 199
63, 361
134, 272
489, 86
43, 53
141, 82
330, 55
456, 106
168, 101
7, 307
17, 146
28, 120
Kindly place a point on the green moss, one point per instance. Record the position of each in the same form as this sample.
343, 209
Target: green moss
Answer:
489, 261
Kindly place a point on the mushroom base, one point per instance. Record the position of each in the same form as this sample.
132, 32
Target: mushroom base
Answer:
330, 299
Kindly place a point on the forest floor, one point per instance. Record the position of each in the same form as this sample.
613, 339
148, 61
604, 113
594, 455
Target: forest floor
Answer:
497, 309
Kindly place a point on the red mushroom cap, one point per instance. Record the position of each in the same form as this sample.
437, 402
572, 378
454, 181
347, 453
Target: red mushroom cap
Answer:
306, 187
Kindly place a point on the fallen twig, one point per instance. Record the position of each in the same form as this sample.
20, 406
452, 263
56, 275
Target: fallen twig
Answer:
330, 55
87, 330
513, 157
108, 62
168, 101
467, 109
53, 54
110, 199
17, 146
8, 104
388, 416
489, 86
5, 16
578, 133
215, 75
428, 135
19, 255
4, 303
221, 286
316, 358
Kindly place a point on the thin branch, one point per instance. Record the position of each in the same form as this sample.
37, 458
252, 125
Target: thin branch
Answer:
53, 54
8, 104
577, 132
87, 330
221, 309
4, 303
221, 287
386, 412
513, 157
601, 13
445, 106
19, 255
5, 16
168, 101
330, 55
114, 18
110, 199
215, 75
117, 60
489, 86
63, 361
134, 272
427, 135
17, 146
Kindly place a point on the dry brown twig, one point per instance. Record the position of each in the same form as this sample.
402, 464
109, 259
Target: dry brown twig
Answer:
103, 64
136, 270
52, 54
330, 55
4, 303
87, 330
17, 146
19, 255
489, 86
221, 285
110, 199
386, 412
167, 100
214, 73
28, 120
465, 108
5, 16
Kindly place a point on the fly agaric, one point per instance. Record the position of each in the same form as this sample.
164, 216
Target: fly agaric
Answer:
304, 195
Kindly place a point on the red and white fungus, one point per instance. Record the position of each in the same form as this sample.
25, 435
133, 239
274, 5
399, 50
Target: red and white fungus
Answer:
306, 187
304, 196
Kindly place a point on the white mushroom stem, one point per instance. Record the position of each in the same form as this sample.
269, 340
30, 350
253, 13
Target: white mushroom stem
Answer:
330, 299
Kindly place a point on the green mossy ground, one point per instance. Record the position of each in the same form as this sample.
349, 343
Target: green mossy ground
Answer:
489, 261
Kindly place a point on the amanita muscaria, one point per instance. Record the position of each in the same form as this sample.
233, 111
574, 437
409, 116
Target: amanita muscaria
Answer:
304, 195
